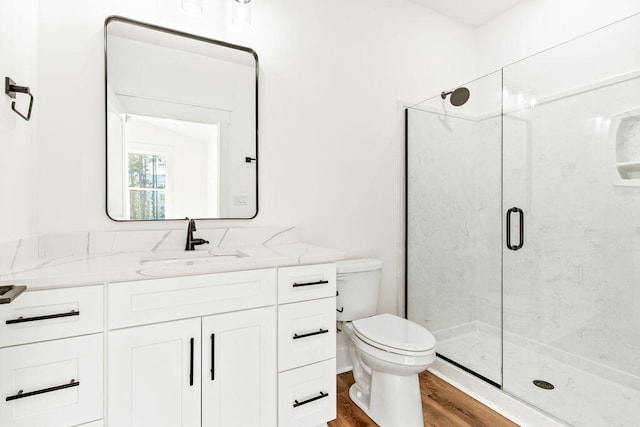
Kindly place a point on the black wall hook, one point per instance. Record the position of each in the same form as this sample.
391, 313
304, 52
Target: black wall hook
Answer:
10, 88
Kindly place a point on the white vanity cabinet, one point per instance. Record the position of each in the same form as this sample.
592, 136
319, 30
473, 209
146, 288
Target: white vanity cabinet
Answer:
251, 348
50, 376
306, 345
214, 370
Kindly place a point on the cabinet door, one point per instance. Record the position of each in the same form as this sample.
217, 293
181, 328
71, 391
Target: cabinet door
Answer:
239, 369
154, 375
52, 384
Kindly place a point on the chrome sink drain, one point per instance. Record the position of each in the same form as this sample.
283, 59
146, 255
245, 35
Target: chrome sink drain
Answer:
543, 384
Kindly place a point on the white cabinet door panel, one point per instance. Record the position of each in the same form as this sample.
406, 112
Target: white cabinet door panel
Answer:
306, 333
242, 389
307, 395
306, 282
154, 375
159, 300
37, 380
52, 313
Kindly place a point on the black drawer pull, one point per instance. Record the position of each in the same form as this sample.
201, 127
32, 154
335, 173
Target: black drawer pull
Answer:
310, 334
10, 292
22, 395
191, 343
48, 316
313, 399
213, 357
319, 282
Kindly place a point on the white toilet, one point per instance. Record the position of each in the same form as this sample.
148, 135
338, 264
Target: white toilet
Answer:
387, 351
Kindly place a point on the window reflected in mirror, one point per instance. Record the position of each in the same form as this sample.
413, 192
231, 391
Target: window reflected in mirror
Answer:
147, 185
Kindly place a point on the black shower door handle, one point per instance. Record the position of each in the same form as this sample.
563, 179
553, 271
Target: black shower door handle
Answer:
521, 218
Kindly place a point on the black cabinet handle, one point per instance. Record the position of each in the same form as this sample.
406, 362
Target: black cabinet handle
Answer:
508, 239
9, 293
213, 357
313, 399
21, 394
36, 318
191, 362
310, 334
319, 282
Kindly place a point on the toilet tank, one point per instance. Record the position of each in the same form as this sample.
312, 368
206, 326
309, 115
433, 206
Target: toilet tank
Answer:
358, 284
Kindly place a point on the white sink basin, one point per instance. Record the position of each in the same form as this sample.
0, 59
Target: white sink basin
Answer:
187, 262
228, 252
188, 258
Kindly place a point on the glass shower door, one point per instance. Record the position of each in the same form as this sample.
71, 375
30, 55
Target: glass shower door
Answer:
571, 170
454, 225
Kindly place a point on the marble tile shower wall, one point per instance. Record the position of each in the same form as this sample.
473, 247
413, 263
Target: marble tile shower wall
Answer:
454, 220
32, 251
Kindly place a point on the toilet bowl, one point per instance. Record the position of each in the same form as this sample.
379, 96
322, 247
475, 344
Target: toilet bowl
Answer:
387, 388
387, 352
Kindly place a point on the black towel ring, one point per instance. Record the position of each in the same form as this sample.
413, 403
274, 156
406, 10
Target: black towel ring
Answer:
11, 89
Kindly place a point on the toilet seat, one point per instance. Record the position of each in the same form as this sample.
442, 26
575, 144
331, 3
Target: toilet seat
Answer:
394, 334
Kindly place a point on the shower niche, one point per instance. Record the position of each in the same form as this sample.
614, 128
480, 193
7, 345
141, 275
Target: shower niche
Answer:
627, 145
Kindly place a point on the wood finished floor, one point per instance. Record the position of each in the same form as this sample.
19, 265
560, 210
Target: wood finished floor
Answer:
442, 406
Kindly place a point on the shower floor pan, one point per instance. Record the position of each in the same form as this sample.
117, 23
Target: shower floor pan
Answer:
580, 397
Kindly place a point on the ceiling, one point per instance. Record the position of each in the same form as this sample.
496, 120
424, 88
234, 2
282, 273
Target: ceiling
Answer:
470, 12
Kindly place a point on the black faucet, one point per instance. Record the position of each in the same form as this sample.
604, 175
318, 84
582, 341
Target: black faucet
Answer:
191, 241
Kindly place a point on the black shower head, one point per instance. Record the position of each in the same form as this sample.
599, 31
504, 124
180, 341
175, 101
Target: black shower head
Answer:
459, 96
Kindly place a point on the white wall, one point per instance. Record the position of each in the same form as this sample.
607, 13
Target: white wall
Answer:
18, 60
535, 25
332, 75
337, 74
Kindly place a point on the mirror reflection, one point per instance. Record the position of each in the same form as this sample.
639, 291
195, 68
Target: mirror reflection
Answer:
181, 125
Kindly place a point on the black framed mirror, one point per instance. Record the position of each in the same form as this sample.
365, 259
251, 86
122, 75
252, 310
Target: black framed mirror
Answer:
181, 125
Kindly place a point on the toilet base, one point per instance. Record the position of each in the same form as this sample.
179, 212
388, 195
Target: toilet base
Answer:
394, 401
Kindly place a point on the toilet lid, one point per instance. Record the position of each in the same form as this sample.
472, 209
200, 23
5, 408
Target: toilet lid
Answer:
390, 332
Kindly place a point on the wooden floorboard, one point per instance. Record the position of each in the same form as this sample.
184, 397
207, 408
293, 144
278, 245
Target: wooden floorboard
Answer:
442, 406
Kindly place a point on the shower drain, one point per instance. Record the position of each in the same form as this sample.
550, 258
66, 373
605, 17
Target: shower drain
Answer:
543, 384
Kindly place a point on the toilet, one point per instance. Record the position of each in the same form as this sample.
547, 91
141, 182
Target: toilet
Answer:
387, 352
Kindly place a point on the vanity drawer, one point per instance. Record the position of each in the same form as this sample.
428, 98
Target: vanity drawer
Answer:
49, 314
306, 282
43, 372
158, 300
306, 332
307, 396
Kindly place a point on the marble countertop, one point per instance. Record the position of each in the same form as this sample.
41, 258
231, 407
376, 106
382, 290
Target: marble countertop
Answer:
90, 269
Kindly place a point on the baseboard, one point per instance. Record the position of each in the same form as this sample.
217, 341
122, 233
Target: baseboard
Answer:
516, 410
343, 361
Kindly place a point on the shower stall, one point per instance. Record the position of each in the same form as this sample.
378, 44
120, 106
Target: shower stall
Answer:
523, 227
